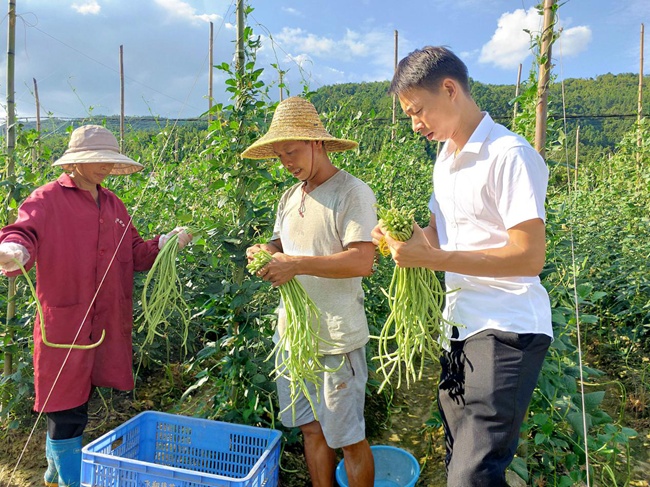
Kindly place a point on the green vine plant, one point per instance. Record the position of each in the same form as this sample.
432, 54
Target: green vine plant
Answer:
553, 436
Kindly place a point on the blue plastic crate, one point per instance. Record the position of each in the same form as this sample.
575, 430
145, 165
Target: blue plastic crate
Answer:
167, 450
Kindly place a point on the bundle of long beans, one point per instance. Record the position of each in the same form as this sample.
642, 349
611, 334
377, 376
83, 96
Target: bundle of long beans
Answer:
416, 300
296, 354
165, 298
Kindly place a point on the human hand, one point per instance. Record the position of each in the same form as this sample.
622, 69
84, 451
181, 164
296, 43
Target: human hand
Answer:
10, 252
183, 237
415, 252
279, 271
378, 233
251, 251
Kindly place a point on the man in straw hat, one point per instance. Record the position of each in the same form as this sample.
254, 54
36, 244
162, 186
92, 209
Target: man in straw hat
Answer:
487, 233
87, 250
322, 238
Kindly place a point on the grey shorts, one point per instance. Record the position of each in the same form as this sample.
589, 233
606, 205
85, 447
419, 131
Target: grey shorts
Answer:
341, 402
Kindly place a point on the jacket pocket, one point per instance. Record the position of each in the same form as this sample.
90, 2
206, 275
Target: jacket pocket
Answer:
65, 325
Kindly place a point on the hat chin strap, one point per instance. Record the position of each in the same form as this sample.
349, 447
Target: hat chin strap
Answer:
311, 168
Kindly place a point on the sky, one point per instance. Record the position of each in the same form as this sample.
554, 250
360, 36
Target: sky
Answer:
72, 47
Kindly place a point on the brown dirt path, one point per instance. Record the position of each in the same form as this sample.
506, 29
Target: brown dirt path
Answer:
411, 408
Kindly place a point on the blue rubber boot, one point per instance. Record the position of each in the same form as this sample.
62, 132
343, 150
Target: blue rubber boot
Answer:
67, 459
51, 476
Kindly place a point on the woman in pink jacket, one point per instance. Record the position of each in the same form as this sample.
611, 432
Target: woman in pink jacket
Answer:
86, 250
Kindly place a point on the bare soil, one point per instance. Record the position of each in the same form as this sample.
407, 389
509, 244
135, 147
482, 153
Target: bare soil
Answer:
399, 423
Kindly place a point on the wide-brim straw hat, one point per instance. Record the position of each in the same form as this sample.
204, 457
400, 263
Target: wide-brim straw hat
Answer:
96, 144
295, 119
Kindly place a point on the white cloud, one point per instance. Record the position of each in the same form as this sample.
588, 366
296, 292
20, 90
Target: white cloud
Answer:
302, 60
355, 44
574, 40
292, 11
183, 10
90, 7
510, 44
321, 60
297, 39
373, 45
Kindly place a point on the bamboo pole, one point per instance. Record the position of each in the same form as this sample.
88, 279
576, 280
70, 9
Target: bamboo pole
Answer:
516, 107
281, 85
394, 119
36, 152
575, 164
38, 107
122, 98
241, 60
210, 70
640, 101
639, 110
544, 78
11, 145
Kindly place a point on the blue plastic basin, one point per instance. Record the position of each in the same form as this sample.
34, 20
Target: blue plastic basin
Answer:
394, 467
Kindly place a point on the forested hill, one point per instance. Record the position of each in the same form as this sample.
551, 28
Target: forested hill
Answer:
605, 107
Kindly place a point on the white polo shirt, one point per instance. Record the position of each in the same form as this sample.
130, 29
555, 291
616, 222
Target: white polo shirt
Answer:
496, 182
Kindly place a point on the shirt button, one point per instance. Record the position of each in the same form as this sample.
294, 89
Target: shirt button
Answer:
101, 252
101, 220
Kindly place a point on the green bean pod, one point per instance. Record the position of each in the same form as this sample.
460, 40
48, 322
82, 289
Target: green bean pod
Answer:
415, 322
297, 355
162, 295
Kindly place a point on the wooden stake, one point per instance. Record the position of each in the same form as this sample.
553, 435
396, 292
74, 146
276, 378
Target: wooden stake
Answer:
241, 55
639, 110
544, 78
38, 107
516, 107
11, 145
210, 71
394, 119
640, 102
575, 169
122, 98
36, 151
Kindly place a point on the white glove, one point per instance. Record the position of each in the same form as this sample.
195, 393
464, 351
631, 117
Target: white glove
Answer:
10, 251
183, 237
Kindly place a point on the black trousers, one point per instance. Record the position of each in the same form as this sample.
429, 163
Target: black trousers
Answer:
485, 388
63, 425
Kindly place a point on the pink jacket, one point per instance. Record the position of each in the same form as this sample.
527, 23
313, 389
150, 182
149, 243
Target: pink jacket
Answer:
73, 242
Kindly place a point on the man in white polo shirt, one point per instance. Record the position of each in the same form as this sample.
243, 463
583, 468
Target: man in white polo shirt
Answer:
487, 233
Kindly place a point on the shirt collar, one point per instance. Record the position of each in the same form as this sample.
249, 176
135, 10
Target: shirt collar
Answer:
475, 141
480, 134
67, 182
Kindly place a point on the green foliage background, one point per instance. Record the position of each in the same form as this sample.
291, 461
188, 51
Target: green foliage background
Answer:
596, 271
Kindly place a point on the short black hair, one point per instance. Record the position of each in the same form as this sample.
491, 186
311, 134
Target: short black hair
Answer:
426, 68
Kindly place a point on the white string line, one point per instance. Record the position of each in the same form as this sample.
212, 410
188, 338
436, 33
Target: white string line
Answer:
307, 76
573, 264
110, 68
127, 228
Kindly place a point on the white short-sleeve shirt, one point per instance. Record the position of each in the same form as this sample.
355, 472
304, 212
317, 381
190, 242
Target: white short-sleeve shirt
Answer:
496, 182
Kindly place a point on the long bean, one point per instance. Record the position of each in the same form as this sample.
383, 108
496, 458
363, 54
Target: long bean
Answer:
297, 356
415, 325
165, 298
